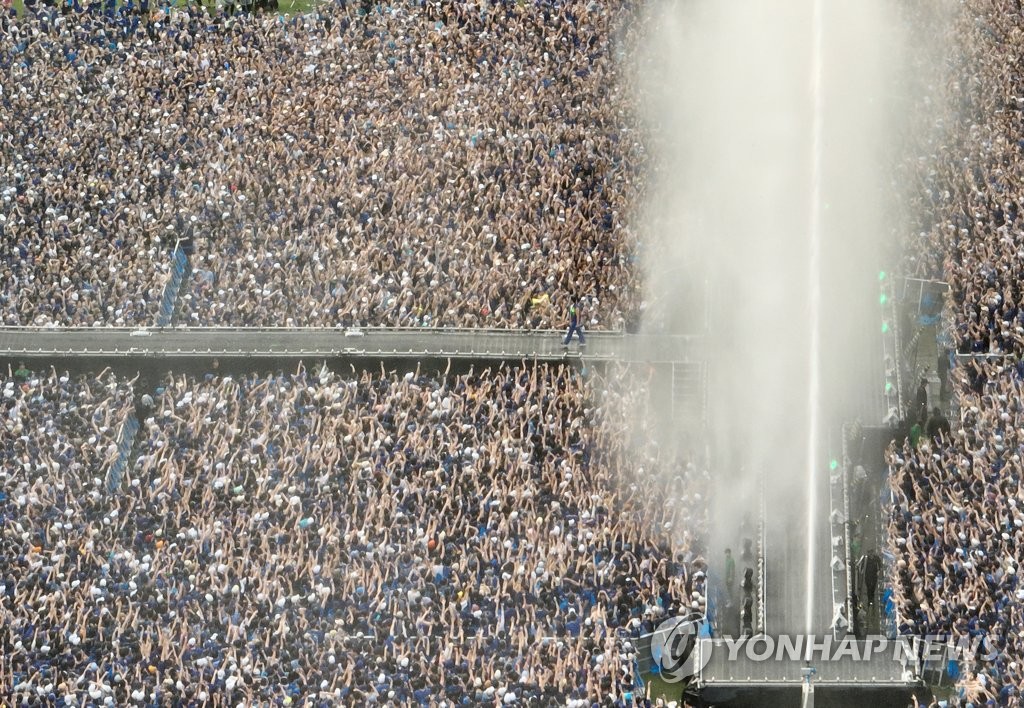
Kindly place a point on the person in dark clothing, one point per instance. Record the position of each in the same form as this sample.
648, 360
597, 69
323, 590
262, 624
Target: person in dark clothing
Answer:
921, 401
144, 407
748, 581
574, 325
857, 624
730, 572
870, 567
937, 424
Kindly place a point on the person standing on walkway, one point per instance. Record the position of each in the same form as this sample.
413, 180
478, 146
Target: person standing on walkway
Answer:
870, 568
730, 573
574, 323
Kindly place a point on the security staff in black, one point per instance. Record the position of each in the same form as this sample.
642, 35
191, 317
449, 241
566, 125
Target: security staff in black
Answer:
574, 325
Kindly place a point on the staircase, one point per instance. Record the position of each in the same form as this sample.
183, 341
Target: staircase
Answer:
125, 448
179, 267
689, 392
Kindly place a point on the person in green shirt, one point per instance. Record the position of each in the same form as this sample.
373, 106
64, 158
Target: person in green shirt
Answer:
21, 374
915, 434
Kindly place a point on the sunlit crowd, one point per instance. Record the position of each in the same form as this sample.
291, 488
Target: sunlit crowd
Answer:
312, 538
399, 164
957, 532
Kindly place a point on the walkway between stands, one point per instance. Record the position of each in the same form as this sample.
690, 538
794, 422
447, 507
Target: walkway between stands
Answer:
318, 342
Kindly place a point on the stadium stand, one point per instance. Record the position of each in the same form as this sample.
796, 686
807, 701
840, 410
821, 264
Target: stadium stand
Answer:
290, 537
420, 164
956, 528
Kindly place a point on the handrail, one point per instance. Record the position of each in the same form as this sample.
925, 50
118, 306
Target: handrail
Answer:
889, 625
762, 565
838, 528
21, 329
847, 532
897, 356
985, 355
925, 280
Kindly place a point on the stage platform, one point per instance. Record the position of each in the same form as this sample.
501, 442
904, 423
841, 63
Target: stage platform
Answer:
874, 665
738, 681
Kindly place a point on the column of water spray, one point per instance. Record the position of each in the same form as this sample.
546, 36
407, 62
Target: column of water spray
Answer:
814, 301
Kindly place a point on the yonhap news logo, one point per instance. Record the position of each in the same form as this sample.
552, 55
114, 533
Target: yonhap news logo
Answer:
677, 648
679, 652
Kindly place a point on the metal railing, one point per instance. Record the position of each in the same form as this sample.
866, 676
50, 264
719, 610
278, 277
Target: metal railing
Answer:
984, 355
762, 565
377, 342
890, 619
892, 355
839, 536
928, 294
351, 331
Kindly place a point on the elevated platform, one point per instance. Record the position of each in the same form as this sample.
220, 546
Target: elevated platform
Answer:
874, 672
318, 342
878, 663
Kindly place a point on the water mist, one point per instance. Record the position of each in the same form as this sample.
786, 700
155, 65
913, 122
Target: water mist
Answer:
771, 127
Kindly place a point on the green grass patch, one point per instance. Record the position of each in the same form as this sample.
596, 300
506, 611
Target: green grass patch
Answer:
294, 7
662, 689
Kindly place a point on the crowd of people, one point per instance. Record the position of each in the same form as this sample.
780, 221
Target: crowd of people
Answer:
313, 538
317, 538
968, 200
957, 528
410, 539
397, 164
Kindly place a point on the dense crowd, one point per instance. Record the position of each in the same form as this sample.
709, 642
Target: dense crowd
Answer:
405, 539
957, 531
970, 189
441, 164
309, 538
